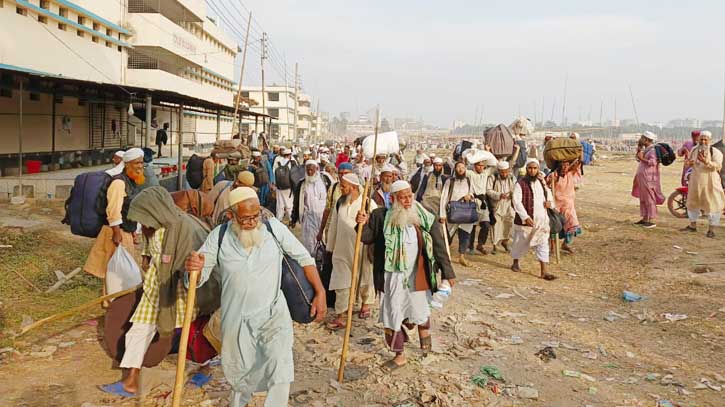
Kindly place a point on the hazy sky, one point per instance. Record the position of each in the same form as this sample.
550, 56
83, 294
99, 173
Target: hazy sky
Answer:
442, 60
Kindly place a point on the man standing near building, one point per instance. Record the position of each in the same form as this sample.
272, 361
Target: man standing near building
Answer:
381, 195
499, 191
162, 138
684, 151
341, 242
429, 193
705, 192
458, 187
531, 199
126, 180
257, 333
406, 271
309, 205
646, 185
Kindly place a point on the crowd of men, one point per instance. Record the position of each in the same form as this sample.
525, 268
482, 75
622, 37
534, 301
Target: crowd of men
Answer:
257, 202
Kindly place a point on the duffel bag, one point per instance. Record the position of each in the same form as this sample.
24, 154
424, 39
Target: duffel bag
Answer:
561, 149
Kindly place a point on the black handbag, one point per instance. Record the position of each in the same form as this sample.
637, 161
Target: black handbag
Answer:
556, 221
461, 212
296, 288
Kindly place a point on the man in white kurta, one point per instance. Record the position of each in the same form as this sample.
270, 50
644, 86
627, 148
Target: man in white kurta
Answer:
499, 191
310, 205
256, 325
484, 166
531, 199
284, 196
458, 187
341, 242
705, 192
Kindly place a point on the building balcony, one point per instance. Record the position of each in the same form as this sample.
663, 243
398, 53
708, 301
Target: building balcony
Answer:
162, 80
172, 39
177, 10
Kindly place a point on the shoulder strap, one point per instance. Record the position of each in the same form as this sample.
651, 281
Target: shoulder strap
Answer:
450, 188
222, 232
543, 186
271, 232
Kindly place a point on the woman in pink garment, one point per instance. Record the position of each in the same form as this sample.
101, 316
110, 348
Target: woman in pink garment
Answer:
565, 181
646, 184
684, 151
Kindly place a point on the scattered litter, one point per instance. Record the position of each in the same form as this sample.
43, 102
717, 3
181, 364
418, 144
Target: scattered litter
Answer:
629, 296
516, 340
630, 355
610, 366
692, 253
47, 351
674, 317
602, 350
6, 246
665, 403
590, 355
27, 320
571, 275
546, 354
571, 373
702, 270
651, 377
613, 316
519, 294
487, 372
676, 247
710, 385
505, 296
593, 390
551, 344
471, 282
91, 322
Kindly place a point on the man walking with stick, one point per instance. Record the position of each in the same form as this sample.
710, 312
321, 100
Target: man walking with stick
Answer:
256, 324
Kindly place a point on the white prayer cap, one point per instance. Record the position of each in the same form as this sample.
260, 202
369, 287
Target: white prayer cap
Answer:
387, 168
437, 160
132, 154
492, 162
649, 135
307, 152
120, 153
399, 186
286, 151
532, 160
706, 134
432, 155
352, 178
324, 157
503, 165
311, 162
574, 134
421, 158
241, 194
256, 154
381, 155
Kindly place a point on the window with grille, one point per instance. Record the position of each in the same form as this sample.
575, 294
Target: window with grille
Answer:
137, 60
63, 12
273, 96
273, 112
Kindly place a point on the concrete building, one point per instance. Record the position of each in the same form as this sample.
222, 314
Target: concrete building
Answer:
279, 103
84, 78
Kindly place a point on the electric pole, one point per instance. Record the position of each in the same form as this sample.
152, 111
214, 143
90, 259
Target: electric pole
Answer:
264, 56
297, 101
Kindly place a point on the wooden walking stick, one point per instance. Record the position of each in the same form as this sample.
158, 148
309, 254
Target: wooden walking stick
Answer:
557, 252
356, 262
184, 340
77, 309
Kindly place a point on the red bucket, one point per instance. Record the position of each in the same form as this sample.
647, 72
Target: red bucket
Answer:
32, 166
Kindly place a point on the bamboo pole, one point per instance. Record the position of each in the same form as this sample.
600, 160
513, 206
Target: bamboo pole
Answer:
76, 309
355, 263
236, 123
557, 250
184, 341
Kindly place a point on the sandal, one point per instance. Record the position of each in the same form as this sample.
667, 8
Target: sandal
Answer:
549, 277
391, 366
336, 325
688, 228
364, 313
516, 269
116, 389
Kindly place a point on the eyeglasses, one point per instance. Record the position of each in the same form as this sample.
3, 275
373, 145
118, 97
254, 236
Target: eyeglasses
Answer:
248, 219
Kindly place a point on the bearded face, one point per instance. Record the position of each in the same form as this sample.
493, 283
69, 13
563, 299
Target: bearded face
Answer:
402, 217
249, 238
134, 171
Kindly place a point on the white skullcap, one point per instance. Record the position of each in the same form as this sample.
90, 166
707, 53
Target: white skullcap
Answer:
352, 178
256, 154
532, 160
311, 162
324, 157
286, 151
503, 165
492, 162
432, 155
387, 168
421, 159
120, 153
437, 160
307, 152
575, 135
241, 194
649, 135
399, 186
706, 134
132, 154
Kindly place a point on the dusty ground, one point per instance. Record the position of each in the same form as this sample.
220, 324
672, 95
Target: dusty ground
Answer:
625, 354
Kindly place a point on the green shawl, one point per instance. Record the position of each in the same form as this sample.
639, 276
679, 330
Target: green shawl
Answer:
154, 208
395, 249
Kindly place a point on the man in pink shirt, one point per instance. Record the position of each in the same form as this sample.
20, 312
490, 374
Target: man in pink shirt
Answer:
684, 151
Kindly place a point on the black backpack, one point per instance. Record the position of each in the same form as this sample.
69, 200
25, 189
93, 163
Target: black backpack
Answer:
195, 171
85, 208
283, 176
665, 154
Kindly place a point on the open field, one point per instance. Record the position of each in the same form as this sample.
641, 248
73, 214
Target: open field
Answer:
624, 354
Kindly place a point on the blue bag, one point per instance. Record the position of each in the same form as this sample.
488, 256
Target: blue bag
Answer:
85, 207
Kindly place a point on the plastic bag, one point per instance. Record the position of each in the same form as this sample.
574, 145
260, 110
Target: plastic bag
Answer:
123, 272
387, 144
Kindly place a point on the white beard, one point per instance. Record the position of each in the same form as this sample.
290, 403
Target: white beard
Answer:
427, 169
401, 217
312, 179
249, 239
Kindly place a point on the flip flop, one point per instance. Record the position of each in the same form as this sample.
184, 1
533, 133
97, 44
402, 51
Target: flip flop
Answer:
335, 325
391, 366
364, 314
548, 277
200, 379
116, 389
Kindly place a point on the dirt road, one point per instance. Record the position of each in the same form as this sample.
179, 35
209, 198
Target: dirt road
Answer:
608, 352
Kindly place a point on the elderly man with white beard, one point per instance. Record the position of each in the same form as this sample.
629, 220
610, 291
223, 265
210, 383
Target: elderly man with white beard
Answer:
256, 325
381, 196
310, 198
409, 246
